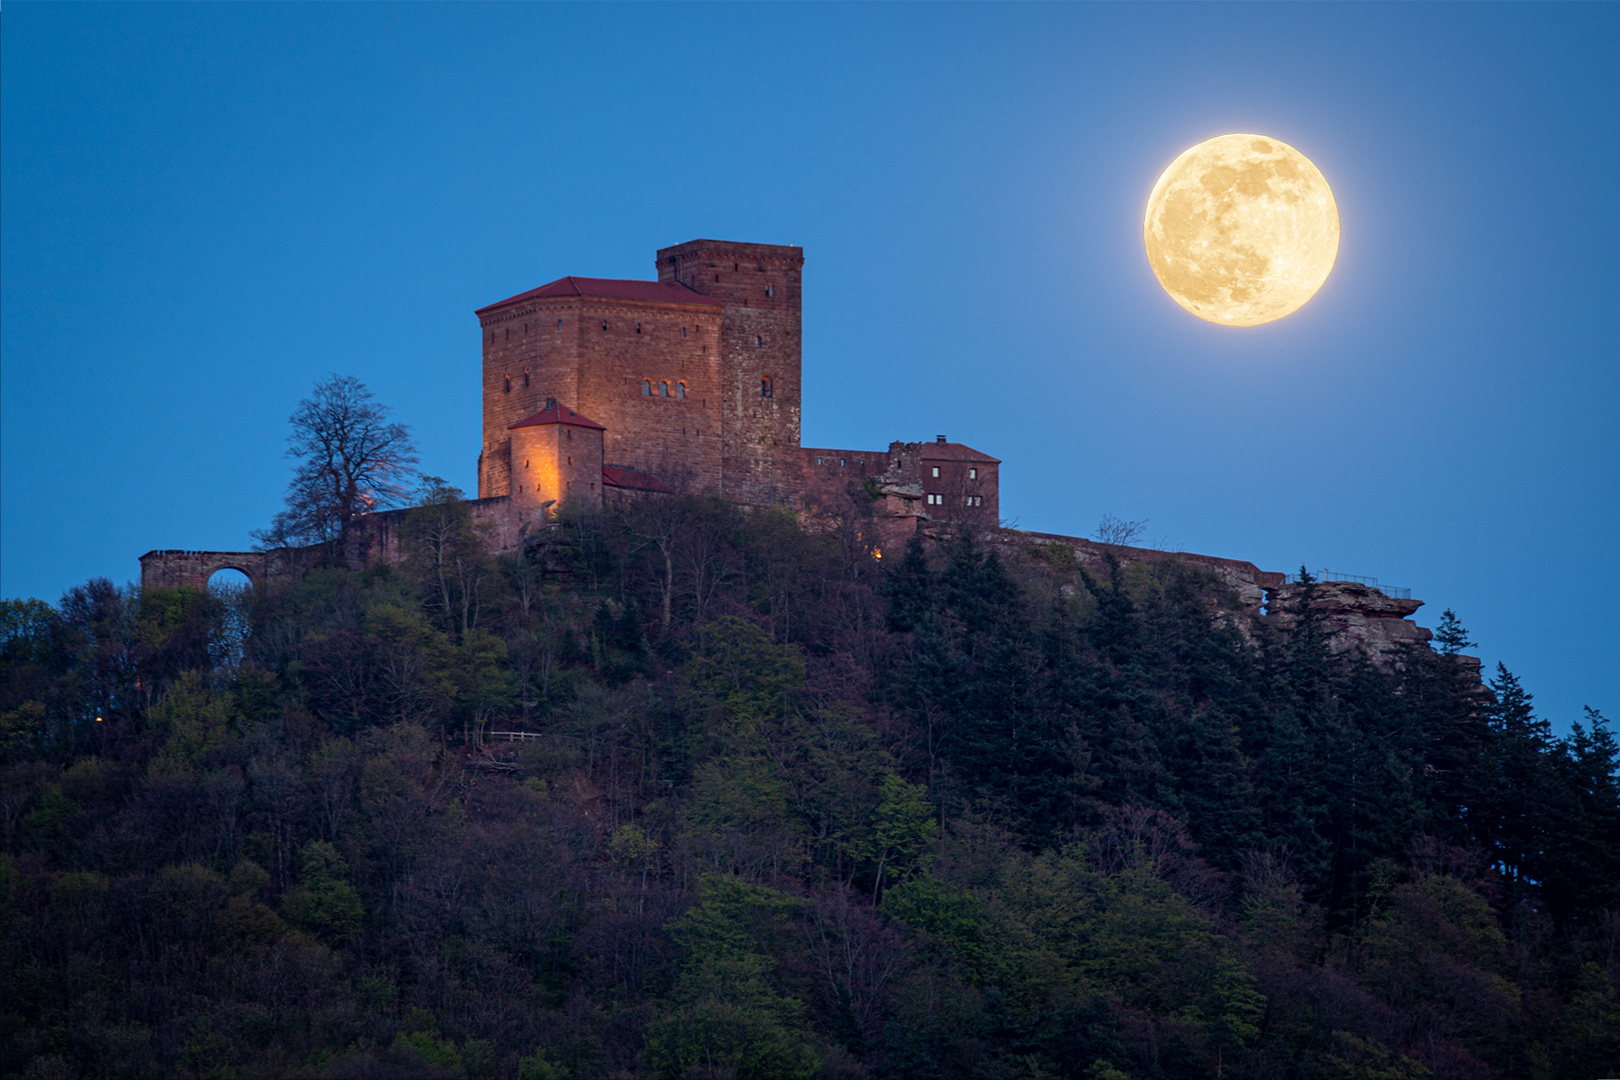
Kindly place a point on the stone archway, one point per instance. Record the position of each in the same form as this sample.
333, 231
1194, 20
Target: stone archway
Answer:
175, 568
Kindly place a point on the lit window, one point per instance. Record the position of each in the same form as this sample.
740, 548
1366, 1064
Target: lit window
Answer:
765, 388
680, 390
973, 474
936, 470
646, 388
663, 389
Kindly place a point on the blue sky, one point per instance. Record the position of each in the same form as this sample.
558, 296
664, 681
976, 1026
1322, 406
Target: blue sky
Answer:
208, 207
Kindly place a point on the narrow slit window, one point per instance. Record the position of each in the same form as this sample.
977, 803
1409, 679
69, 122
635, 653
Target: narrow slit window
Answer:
506, 384
525, 378
765, 388
638, 328
683, 331
559, 324
770, 291
759, 343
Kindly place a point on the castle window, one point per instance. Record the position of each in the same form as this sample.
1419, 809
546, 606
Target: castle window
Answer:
683, 331
759, 342
818, 461
559, 324
525, 463
506, 384
604, 325
525, 378
508, 333
840, 463
680, 390
973, 474
770, 290
646, 388
765, 388
638, 328
936, 470
663, 389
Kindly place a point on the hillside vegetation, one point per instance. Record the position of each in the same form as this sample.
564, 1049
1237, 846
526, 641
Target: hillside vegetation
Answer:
788, 809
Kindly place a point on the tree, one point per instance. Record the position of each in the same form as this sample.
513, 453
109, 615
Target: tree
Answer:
1113, 530
353, 461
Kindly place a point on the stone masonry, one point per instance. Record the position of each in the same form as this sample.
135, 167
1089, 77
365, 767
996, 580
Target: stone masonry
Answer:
692, 382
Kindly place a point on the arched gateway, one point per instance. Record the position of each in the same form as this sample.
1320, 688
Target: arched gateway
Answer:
174, 568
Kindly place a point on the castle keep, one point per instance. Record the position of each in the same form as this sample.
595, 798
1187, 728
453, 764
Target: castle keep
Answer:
600, 388
691, 382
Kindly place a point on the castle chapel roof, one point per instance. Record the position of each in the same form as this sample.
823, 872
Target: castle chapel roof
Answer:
556, 413
656, 292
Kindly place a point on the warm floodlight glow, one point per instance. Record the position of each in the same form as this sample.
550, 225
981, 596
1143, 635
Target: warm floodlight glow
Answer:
1241, 230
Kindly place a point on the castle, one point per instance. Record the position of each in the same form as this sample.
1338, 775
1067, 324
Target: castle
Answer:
599, 388
691, 381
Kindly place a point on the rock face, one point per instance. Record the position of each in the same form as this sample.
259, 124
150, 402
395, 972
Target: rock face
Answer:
1356, 615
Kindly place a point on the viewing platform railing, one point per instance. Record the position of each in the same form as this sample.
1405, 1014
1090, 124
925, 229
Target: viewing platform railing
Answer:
1394, 592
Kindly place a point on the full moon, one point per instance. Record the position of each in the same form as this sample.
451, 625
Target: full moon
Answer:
1241, 230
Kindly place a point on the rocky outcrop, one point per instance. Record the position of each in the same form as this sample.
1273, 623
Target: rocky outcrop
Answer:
1356, 616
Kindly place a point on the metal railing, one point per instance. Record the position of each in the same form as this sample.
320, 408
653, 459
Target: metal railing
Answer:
1394, 592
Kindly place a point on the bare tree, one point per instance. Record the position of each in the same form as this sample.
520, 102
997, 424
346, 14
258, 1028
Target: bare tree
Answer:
1113, 530
352, 461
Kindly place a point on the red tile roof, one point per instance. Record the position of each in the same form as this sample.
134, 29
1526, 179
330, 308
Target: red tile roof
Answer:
656, 292
556, 414
619, 477
953, 451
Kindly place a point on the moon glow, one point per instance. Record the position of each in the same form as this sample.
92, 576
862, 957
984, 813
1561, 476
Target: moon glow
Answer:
1241, 230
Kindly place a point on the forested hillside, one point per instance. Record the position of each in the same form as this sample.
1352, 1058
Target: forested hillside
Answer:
788, 809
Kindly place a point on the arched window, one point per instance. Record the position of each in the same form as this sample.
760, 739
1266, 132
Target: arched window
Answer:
646, 388
663, 389
759, 342
680, 390
765, 388
525, 378
506, 383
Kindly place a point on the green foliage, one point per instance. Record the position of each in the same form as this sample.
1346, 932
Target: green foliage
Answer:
972, 811
323, 902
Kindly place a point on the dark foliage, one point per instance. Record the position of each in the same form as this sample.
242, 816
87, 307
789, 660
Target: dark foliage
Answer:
775, 813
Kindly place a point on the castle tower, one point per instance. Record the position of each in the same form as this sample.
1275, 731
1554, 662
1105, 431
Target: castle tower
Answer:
641, 358
556, 460
760, 357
